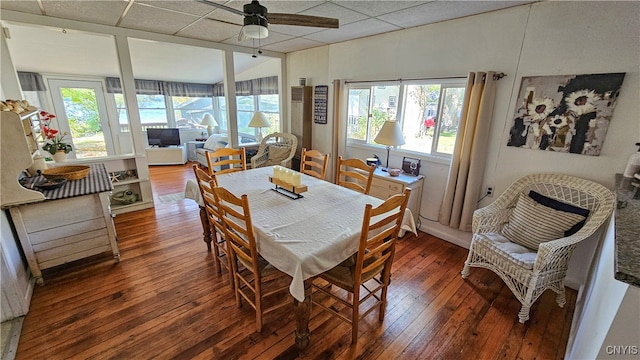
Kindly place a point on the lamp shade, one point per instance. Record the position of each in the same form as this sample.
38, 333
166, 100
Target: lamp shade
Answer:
390, 134
259, 120
208, 120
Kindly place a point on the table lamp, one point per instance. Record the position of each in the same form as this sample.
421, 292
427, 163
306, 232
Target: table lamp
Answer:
259, 120
390, 135
208, 120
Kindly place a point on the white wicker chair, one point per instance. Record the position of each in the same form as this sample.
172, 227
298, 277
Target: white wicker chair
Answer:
552, 257
284, 147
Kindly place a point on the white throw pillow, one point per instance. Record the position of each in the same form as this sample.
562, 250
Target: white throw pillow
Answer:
532, 223
215, 142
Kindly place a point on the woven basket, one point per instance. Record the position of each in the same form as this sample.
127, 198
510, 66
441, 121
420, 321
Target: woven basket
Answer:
67, 172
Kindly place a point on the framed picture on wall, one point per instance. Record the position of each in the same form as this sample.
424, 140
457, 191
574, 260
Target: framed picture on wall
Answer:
411, 166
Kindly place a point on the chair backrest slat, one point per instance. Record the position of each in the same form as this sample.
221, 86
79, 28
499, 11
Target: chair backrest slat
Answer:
233, 159
314, 163
380, 228
356, 180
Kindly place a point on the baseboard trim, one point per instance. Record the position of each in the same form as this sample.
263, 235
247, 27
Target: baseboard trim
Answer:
457, 237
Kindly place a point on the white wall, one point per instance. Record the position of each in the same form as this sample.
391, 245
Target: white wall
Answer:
546, 38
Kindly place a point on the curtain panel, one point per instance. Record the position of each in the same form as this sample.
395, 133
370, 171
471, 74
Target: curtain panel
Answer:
260, 86
31, 81
469, 156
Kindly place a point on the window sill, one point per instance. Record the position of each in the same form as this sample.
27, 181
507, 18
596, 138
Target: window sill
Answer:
418, 155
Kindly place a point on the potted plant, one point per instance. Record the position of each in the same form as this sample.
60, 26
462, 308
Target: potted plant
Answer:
54, 141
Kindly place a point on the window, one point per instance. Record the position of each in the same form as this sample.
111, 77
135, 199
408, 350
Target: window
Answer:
153, 111
247, 105
188, 111
428, 111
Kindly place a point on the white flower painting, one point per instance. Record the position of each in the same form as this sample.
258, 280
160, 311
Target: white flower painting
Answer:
569, 113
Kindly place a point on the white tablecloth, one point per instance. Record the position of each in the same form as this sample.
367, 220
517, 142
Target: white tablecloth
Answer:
302, 237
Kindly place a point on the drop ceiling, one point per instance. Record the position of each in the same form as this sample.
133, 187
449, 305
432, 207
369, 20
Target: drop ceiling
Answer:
193, 19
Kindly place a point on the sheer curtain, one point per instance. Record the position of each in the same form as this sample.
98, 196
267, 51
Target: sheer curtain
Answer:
469, 156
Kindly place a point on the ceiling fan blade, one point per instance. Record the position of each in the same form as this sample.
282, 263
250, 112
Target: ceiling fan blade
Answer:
302, 20
223, 7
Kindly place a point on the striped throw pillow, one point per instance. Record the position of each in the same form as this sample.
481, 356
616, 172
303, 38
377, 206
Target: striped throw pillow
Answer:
532, 223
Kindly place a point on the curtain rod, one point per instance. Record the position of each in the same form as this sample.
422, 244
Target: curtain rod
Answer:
496, 76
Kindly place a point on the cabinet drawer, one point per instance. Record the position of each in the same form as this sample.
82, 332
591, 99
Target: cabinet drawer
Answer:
51, 214
382, 193
395, 187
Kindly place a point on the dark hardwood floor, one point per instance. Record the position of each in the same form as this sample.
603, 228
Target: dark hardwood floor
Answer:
165, 300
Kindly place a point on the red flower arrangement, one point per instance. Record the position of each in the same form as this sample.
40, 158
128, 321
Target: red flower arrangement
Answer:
53, 141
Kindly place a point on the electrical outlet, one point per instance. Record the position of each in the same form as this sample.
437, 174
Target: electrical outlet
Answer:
489, 191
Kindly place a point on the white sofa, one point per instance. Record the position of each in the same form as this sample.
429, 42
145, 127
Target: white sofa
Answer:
214, 142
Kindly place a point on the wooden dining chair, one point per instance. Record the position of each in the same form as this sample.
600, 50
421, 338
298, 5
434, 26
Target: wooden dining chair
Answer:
222, 256
314, 163
257, 272
202, 179
226, 160
369, 269
350, 178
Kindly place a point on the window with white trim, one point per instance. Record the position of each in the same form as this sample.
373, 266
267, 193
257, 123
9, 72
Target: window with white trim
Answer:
428, 111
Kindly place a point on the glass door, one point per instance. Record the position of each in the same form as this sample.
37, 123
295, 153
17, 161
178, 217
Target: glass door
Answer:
81, 111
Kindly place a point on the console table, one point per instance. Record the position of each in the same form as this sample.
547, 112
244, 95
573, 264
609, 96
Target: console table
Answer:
74, 222
384, 186
172, 155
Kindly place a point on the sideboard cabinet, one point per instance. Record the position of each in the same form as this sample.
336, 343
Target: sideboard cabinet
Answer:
384, 186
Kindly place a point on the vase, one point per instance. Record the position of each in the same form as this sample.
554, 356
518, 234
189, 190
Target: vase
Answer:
60, 156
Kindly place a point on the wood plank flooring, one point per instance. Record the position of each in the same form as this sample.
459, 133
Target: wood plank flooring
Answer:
164, 300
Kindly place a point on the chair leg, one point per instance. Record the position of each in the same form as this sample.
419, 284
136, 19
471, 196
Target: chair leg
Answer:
523, 315
355, 315
560, 298
229, 265
355, 320
258, 302
216, 254
465, 271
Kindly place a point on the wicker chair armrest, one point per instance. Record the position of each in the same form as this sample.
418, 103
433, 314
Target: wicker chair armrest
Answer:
259, 159
554, 252
490, 219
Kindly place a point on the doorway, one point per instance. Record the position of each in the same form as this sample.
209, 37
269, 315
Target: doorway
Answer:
81, 111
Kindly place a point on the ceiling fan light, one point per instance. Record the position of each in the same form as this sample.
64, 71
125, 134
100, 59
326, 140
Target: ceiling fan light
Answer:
255, 31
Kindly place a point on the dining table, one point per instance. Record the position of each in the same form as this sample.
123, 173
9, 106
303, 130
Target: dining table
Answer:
301, 237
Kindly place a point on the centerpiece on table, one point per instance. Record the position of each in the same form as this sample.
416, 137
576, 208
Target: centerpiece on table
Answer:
287, 182
54, 141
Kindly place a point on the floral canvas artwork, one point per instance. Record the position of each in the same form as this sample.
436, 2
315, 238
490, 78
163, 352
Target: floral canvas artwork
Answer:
569, 113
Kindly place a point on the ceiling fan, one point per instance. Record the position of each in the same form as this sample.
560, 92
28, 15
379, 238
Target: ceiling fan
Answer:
257, 19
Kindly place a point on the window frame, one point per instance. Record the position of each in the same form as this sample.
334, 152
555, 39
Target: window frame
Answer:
445, 83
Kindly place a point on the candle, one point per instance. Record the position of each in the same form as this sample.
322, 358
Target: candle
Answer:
297, 179
275, 172
289, 177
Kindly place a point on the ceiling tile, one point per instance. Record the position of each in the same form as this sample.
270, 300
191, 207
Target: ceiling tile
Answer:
148, 18
94, 11
185, 6
332, 10
211, 30
443, 10
288, 7
27, 6
356, 30
376, 8
293, 45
